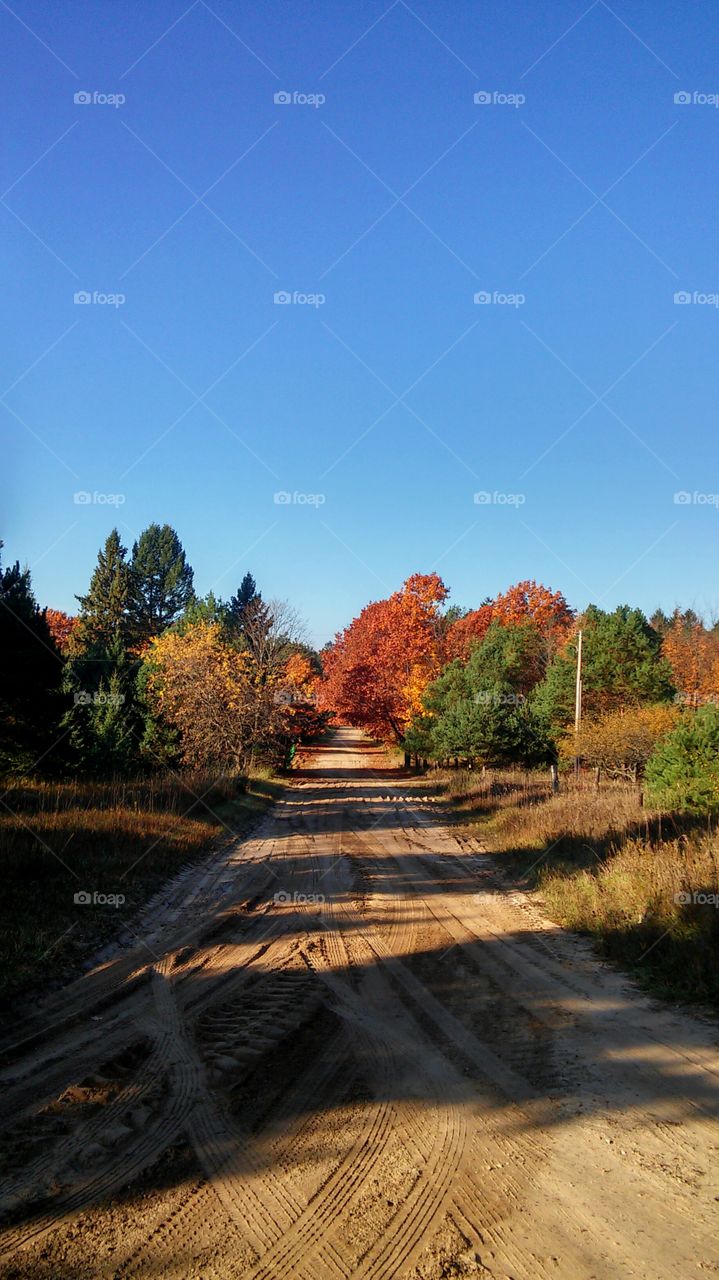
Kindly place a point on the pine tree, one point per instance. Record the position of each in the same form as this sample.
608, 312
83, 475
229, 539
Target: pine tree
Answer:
104, 617
161, 582
246, 593
30, 673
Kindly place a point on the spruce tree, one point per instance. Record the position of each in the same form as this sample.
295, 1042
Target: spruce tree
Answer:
30, 673
246, 593
161, 582
104, 611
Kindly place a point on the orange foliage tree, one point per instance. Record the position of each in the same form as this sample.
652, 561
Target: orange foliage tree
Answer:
693, 654
61, 627
528, 601
377, 669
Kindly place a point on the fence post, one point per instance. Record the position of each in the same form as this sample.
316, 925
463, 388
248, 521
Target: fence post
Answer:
555, 778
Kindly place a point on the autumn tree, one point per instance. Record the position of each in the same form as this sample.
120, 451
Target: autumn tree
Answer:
379, 666
62, 628
527, 601
224, 707
693, 655
468, 631
620, 742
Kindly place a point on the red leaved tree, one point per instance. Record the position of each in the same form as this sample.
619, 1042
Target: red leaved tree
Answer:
528, 601
377, 668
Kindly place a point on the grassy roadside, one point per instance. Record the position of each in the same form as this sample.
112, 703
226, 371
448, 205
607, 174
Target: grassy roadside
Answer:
644, 886
117, 839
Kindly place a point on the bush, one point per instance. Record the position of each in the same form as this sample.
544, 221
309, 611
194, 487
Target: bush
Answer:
683, 772
620, 742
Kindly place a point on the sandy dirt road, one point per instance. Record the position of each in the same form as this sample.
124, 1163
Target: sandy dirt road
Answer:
342, 1048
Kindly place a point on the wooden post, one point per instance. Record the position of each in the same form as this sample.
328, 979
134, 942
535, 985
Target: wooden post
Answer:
597, 776
555, 778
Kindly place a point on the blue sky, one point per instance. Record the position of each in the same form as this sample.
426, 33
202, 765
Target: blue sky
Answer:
382, 410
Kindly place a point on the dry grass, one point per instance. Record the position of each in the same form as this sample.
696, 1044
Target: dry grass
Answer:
643, 885
117, 838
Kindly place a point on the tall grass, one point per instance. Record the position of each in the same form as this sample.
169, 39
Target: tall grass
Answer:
644, 885
120, 838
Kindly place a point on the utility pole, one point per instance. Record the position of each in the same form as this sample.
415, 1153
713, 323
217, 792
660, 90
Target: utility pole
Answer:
578, 702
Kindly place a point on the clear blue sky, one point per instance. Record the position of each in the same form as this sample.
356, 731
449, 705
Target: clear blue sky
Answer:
397, 199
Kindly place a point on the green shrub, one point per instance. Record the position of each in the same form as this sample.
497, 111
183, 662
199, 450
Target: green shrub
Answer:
683, 771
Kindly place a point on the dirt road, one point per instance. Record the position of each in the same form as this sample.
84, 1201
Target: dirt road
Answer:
342, 1049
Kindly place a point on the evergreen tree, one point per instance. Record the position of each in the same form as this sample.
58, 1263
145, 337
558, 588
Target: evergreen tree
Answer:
161, 581
622, 666
246, 593
104, 611
105, 719
683, 771
30, 673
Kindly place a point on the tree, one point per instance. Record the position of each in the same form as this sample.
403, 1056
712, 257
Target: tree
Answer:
682, 774
246, 593
30, 673
161, 582
622, 667
103, 619
104, 717
378, 668
213, 695
478, 709
527, 601
469, 631
620, 742
62, 628
512, 654
207, 608
693, 655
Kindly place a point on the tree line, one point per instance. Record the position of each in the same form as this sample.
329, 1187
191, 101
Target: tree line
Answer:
147, 674
495, 685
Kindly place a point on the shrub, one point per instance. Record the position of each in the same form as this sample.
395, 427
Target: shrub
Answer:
683, 772
620, 742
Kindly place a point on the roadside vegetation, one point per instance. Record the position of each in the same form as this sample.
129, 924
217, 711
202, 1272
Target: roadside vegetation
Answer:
80, 860
613, 824
132, 735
